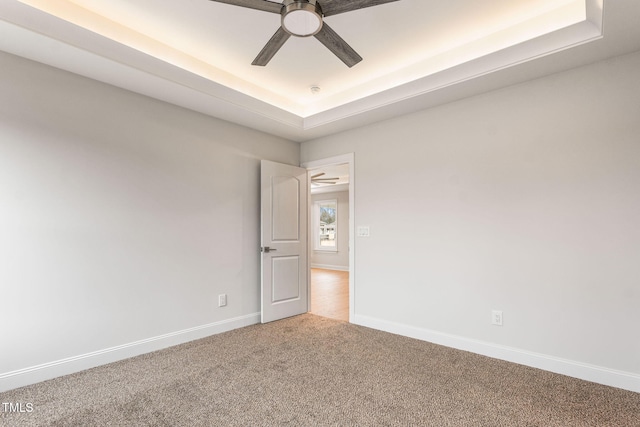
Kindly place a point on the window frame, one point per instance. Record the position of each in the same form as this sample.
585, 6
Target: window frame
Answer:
317, 245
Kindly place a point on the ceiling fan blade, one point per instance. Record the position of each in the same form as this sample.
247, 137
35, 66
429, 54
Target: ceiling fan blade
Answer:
317, 175
271, 47
338, 46
334, 7
267, 6
325, 179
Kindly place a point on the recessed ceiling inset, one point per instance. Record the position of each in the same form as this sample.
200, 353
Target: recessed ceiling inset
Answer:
418, 54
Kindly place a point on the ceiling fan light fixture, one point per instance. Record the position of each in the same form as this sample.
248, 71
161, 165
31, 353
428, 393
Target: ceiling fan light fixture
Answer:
302, 19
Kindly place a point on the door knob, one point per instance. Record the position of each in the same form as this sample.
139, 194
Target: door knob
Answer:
267, 249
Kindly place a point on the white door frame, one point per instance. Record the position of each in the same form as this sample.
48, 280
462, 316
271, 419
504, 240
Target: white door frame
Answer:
342, 159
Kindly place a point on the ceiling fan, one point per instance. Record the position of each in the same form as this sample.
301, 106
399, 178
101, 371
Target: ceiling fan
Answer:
316, 180
304, 18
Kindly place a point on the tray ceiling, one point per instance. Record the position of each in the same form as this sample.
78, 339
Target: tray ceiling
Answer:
417, 53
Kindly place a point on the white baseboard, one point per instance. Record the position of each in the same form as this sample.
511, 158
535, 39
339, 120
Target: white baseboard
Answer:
46, 371
330, 267
610, 377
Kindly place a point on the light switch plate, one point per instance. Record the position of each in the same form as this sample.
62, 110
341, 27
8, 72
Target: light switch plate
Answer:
363, 231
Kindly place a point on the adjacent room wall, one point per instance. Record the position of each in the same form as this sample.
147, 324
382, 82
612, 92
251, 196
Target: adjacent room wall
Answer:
122, 219
525, 200
338, 260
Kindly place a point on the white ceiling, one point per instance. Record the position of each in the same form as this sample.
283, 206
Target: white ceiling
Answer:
417, 53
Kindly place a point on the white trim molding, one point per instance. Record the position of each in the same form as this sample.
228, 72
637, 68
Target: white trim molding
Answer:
70, 365
331, 267
597, 374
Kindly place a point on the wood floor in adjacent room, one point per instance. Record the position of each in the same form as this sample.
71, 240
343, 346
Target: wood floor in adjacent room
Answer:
330, 293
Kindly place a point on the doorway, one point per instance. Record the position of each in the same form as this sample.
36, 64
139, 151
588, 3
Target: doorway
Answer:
331, 237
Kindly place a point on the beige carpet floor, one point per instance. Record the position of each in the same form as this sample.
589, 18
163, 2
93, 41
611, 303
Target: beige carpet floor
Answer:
314, 371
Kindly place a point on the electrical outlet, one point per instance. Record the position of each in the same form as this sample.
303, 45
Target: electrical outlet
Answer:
222, 300
496, 317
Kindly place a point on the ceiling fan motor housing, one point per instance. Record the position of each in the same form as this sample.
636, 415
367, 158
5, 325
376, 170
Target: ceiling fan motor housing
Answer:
301, 18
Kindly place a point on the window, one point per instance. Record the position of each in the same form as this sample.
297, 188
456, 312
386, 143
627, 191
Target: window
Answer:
326, 225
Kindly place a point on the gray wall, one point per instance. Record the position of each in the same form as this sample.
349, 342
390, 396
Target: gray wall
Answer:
334, 260
525, 200
122, 218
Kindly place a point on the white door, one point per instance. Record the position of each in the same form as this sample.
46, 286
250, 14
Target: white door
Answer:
284, 241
